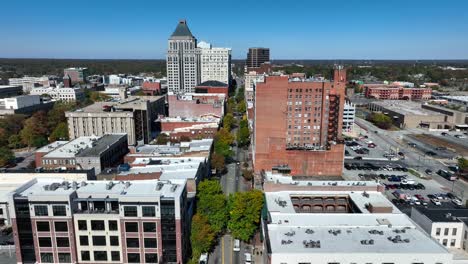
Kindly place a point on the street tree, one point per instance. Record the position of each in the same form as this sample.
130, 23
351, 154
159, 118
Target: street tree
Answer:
217, 161
228, 121
60, 132
244, 213
212, 204
6, 156
202, 236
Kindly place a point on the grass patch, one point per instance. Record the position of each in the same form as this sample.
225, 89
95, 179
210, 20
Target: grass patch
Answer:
417, 174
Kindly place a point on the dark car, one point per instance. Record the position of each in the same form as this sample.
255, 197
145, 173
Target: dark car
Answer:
431, 153
451, 195
428, 172
444, 133
358, 158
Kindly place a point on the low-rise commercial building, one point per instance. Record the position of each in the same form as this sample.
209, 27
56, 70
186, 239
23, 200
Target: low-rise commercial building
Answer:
27, 83
448, 226
456, 117
396, 92
7, 91
192, 105
213, 87
69, 94
324, 222
134, 116
94, 152
408, 114
56, 221
23, 104
193, 128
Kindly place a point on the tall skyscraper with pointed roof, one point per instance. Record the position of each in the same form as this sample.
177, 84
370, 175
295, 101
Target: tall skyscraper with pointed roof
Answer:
183, 70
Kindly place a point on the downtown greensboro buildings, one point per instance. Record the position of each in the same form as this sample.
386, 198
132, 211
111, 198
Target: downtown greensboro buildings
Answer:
298, 124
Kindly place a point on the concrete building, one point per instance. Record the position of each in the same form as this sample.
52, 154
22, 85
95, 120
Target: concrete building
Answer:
84, 153
257, 56
28, 83
7, 91
251, 78
408, 114
134, 116
324, 222
77, 75
396, 92
349, 115
213, 87
196, 105
455, 117
60, 93
178, 128
215, 63
448, 226
459, 100
183, 67
23, 104
298, 122
56, 221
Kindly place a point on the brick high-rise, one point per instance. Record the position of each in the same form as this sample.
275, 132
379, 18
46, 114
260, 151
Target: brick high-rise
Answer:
298, 122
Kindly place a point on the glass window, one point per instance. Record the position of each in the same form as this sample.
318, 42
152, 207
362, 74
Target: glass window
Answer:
84, 241
63, 242
437, 231
444, 242
47, 258
82, 225
41, 210
100, 255
113, 225
133, 258
42, 226
150, 242
64, 257
149, 227
151, 258
59, 210
454, 232
149, 211
452, 242
446, 232
45, 242
133, 242
99, 240
85, 255
97, 225
115, 255
131, 227
114, 240
130, 211
61, 226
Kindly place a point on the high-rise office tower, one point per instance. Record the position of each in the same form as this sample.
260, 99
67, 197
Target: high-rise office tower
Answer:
298, 123
257, 56
183, 70
215, 63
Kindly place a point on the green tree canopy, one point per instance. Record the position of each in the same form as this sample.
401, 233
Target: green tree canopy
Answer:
217, 161
35, 130
6, 156
463, 164
244, 213
60, 132
243, 134
228, 121
212, 204
202, 236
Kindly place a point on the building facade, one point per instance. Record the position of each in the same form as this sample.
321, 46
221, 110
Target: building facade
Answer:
298, 122
183, 71
68, 94
349, 115
257, 56
215, 63
77, 75
134, 116
100, 222
395, 92
212, 87
7, 91
27, 82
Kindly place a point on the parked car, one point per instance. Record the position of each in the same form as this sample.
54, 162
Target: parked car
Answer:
457, 202
460, 136
436, 202
412, 144
236, 245
428, 172
444, 134
203, 258
431, 153
248, 258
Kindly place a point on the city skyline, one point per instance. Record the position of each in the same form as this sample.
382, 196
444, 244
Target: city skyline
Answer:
344, 30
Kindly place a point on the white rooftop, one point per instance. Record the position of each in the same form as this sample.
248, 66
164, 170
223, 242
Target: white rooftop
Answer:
170, 168
72, 148
462, 98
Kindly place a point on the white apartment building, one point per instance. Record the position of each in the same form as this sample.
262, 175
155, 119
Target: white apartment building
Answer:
349, 114
250, 79
183, 70
448, 226
28, 82
215, 63
60, 93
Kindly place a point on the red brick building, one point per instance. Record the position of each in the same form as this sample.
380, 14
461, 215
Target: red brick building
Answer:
298, 122
393, 92
197, 128
151, 88
214, 87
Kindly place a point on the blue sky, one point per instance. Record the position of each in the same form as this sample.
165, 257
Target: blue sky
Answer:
309, 29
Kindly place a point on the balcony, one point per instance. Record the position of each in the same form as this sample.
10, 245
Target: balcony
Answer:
95, 211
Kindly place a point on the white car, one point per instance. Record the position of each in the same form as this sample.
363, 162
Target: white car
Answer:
457, 202
248, 258
236, 245
408, 182
203, 258
415, 200
436, 202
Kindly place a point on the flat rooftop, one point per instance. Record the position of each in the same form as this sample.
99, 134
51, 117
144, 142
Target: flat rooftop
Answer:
9, 86
82, 146
130, 103
405, 107
445, 215
461, 98
101, 145
51, 146
175, 149
170, 168
40, 189
206, 119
